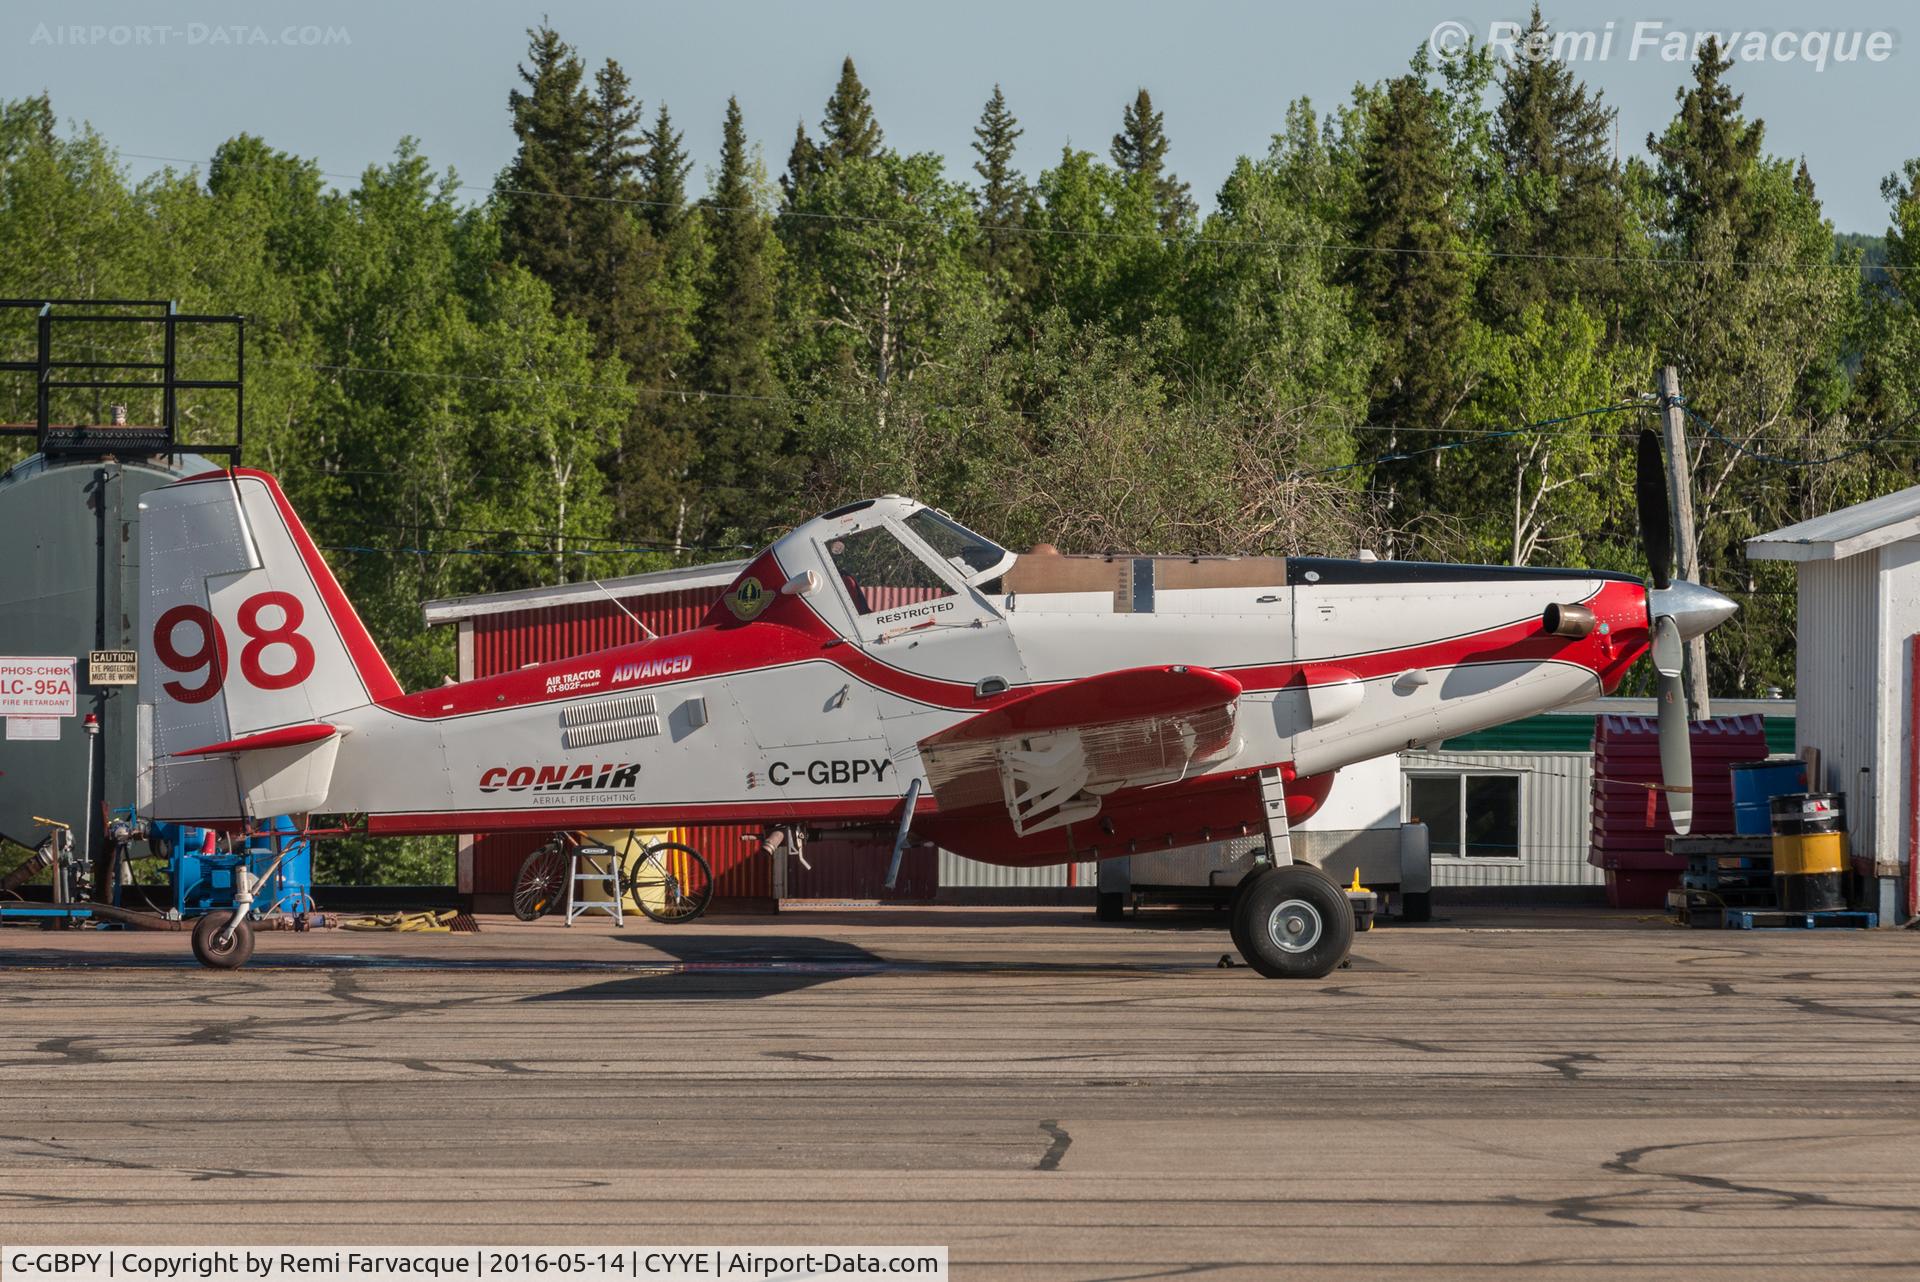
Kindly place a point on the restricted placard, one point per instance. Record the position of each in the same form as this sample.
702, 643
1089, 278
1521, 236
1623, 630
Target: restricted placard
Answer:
113, 667
36, 687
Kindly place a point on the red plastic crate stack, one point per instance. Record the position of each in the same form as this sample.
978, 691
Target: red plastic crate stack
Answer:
1626, 761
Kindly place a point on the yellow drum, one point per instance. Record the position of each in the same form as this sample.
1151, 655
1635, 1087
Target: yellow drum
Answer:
1809, 851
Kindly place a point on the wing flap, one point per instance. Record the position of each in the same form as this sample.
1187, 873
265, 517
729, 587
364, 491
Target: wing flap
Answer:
1050, 757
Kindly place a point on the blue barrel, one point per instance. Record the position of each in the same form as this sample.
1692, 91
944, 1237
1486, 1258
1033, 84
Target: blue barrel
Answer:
1756, 784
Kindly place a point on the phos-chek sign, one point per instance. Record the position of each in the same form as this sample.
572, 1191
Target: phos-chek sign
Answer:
36, 687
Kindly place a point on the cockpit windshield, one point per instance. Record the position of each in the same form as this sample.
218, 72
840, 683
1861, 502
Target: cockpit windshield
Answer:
880, 572
966, 551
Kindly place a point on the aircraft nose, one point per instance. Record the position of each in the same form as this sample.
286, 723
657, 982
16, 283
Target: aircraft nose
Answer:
1696, 608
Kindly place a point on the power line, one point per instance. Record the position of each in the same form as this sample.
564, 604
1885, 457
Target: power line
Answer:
1559, 421
1162, 237
653, 545
1779, 461
695, 395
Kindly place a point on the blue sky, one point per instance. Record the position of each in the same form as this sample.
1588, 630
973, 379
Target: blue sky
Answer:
363, 74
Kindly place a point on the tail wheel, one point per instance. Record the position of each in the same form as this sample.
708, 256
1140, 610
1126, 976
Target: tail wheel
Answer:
1292, 922
542, 882
208, 949
671, 883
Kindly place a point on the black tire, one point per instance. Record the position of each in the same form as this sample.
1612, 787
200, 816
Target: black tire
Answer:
1234, 930
671, 883
1293, 923
1416, 906
207, 948
1110, 905
542, 882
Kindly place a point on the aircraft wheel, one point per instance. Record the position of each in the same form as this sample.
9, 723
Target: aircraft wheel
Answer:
1417, 906
208, 949
1293, 923
1110, 905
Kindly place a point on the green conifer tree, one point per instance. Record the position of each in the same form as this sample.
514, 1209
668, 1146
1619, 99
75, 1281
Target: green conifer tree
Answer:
1706, 153
541, 207
743, 426
849, 131
1001, 199
1140, 152
663, 175
1409, 272
1563, 210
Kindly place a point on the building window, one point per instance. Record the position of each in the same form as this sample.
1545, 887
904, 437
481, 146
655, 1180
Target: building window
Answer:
1471, 816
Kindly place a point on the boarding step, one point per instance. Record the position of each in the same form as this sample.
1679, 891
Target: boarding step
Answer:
594, 867
1776, 919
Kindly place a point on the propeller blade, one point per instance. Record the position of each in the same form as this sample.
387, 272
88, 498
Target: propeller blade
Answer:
1656, 516
1669, 648
1676, 750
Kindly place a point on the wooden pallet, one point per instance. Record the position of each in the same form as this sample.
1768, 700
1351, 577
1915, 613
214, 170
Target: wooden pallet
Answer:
1778, 919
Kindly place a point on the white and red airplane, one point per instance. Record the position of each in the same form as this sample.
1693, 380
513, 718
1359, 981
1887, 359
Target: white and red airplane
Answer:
883, 665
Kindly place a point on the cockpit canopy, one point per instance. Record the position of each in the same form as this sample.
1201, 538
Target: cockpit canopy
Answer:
892, 554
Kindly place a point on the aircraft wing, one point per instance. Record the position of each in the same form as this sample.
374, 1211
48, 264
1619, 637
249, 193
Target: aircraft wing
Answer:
1050, 757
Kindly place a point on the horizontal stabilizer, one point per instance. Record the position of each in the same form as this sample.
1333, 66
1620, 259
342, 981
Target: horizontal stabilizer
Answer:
284, 737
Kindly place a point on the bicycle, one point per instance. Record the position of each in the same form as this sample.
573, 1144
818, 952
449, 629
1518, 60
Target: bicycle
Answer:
669, 882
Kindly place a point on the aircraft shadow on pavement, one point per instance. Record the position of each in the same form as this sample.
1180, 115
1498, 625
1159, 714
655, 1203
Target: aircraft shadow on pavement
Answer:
707, 967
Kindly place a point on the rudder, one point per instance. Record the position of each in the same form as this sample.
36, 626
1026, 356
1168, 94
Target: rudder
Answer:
244, 631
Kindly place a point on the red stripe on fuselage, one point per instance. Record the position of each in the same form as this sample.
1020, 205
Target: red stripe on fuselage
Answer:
788, 632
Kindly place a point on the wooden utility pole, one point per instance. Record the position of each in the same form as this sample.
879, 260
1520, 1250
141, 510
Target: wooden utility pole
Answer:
1680, 493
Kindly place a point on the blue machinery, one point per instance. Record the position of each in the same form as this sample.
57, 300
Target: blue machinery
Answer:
203, 876
200, 872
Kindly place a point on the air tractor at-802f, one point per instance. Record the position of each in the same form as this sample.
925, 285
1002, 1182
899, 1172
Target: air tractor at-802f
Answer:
882, 665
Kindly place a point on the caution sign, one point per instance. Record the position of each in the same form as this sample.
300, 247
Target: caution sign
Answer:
113, 668
36, 687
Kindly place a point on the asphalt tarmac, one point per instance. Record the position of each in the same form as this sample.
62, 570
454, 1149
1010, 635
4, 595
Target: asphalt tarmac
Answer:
1511, 1095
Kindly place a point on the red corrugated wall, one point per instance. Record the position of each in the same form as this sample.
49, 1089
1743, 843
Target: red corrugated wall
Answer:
503, 642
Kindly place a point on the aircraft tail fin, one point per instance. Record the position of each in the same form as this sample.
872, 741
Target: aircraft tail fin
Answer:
249, 650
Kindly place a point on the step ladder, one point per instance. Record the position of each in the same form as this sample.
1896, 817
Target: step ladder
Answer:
596, 865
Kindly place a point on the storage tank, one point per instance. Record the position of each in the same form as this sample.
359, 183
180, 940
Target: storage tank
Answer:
69, 586
100, 385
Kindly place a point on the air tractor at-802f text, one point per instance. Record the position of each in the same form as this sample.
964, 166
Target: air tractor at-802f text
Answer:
883, 666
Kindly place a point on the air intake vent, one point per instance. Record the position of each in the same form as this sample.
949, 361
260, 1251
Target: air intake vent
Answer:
611, 731
626, 707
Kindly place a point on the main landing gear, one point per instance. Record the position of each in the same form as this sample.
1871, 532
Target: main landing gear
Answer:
1289, 921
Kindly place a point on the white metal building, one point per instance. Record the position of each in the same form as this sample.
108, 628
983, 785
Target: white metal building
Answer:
1858, 571
1511, 806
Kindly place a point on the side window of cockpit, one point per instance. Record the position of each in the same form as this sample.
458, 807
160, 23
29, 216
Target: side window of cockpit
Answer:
880, 573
